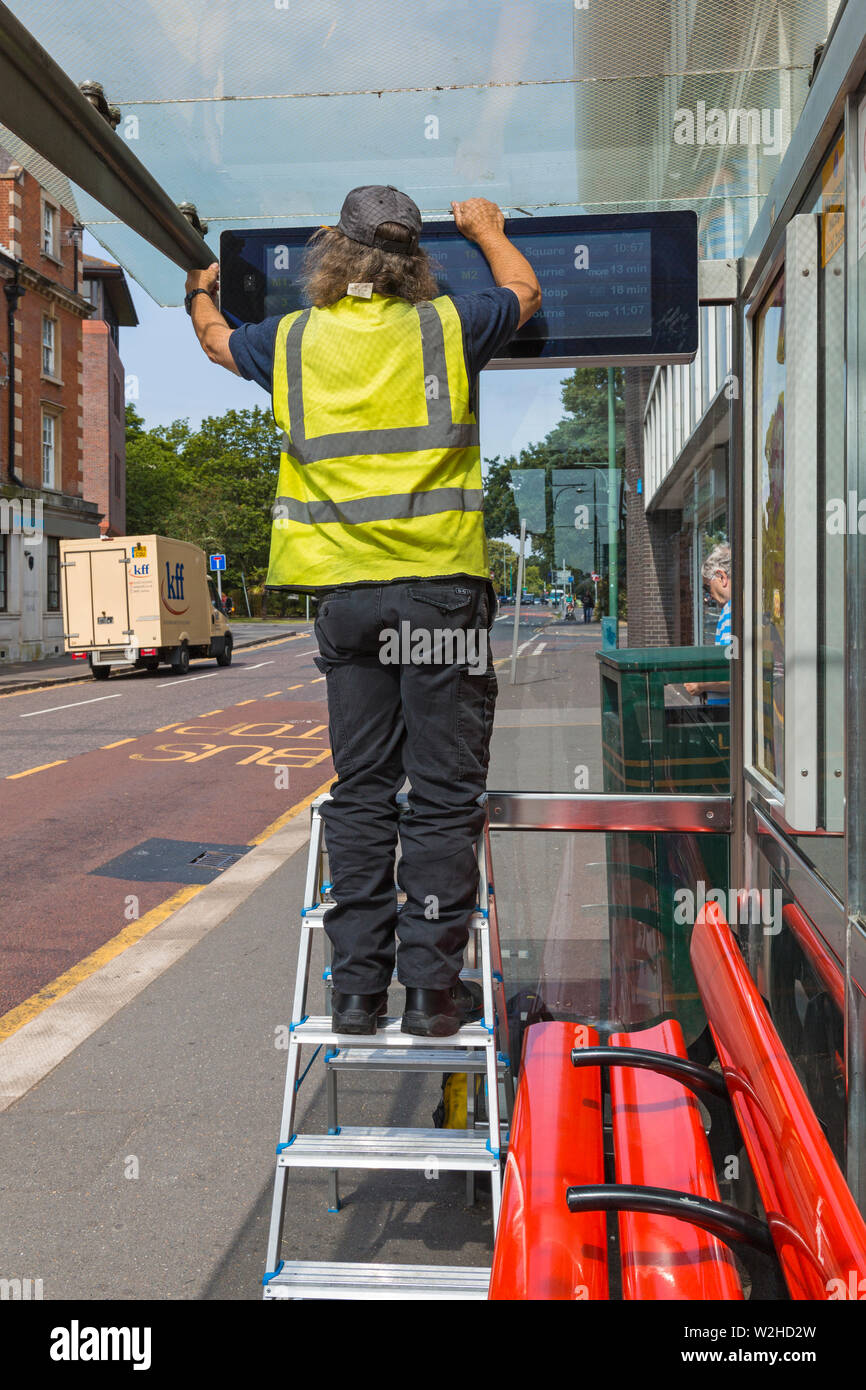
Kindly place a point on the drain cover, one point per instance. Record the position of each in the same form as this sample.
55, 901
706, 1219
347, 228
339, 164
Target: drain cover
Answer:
217, 858
172, 861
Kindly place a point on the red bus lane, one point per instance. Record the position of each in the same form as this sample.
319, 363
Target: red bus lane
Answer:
219, 779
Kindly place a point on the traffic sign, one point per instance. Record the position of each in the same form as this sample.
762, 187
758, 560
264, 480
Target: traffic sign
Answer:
595, 578
217, 562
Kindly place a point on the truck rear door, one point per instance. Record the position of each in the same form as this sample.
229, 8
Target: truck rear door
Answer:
97, 598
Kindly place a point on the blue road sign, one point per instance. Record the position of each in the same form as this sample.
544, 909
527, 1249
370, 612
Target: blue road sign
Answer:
217, 562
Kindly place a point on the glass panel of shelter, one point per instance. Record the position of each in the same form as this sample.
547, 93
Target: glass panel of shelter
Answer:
592, 701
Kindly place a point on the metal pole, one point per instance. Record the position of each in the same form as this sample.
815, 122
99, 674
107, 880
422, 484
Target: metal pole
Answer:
612, 511
246, 595
308, 607
518, 597
219, 585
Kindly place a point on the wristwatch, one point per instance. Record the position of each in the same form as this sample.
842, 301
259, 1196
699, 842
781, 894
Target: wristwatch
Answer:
187, 301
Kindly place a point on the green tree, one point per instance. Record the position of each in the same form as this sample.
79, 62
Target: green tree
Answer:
500, 512
213, 486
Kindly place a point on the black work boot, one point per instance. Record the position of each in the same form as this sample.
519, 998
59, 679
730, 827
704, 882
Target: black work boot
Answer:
357, 1013
438, 1013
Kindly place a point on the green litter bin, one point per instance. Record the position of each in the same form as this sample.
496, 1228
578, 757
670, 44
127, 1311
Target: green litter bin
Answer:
658, 739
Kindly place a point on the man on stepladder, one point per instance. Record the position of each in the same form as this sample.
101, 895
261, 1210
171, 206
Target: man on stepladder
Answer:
379, 514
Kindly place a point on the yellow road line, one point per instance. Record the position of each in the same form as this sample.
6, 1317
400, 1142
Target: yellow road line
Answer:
119, 743
165, 728
287, 815
41, 768
35, 689
32, 1007
23, 1013
271, 693
295, 687
318, 678
209, 713
244, 702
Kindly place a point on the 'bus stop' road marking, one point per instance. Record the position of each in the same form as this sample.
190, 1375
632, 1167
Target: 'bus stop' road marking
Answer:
45, 1029
75, 703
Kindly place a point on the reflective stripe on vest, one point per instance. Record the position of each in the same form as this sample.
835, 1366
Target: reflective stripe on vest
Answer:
359, 509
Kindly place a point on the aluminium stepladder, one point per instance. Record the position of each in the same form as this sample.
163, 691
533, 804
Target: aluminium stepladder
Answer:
477, 1048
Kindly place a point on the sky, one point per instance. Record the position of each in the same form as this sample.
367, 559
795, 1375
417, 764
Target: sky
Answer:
168, 377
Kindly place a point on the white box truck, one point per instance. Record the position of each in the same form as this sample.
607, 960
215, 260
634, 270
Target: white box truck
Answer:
140, 601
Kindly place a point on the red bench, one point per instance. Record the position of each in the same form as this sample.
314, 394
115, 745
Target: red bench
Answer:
816, 1228
540, 1251
552, 1237
675, 1235
659, 1142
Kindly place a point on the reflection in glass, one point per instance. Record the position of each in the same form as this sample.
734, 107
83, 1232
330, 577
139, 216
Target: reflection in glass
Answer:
770, 541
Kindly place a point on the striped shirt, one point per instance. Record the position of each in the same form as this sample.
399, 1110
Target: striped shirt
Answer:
723, 638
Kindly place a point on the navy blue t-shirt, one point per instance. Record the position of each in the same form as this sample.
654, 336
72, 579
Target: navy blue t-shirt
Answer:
489, 319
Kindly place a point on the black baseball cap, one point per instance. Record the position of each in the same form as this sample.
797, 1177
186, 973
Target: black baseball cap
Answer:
366, 208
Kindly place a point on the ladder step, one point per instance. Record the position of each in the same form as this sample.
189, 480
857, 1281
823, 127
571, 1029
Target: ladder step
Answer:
454, 1150
312, 1279
317, 1030
417, 1059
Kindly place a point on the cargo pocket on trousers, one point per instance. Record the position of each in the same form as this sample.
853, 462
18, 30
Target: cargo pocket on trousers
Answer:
476, 704
333, 671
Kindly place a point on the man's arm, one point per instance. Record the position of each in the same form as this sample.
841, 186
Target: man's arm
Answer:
482, 222
211, 328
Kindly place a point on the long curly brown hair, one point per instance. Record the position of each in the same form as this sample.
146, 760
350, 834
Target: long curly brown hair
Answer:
333, 261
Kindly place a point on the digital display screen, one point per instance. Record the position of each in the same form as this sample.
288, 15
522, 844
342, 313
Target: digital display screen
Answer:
616, 288
596, 286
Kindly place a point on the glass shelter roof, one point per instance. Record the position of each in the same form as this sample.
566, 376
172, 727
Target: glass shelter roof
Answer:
267, 111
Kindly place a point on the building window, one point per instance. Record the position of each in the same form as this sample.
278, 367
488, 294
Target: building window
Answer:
48, 327
53, 602
49, 448
4, 571
49, 230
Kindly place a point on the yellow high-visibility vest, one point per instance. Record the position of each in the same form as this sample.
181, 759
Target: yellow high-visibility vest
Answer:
380, 468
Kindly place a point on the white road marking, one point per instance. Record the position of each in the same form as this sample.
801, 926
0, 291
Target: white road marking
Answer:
258, 666
185, 680
539, 648
95, 701
307, 653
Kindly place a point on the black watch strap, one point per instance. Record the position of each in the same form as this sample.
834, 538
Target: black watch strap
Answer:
190, 297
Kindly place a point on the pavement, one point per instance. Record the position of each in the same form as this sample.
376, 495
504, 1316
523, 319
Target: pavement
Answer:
32, 675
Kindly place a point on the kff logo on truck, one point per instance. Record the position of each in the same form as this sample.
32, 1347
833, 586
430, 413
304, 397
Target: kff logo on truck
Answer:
172, 588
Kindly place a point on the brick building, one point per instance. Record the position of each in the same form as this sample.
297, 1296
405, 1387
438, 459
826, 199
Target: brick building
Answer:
104, 480
46, 489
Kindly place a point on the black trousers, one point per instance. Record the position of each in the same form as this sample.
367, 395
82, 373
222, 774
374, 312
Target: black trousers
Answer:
394, 715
